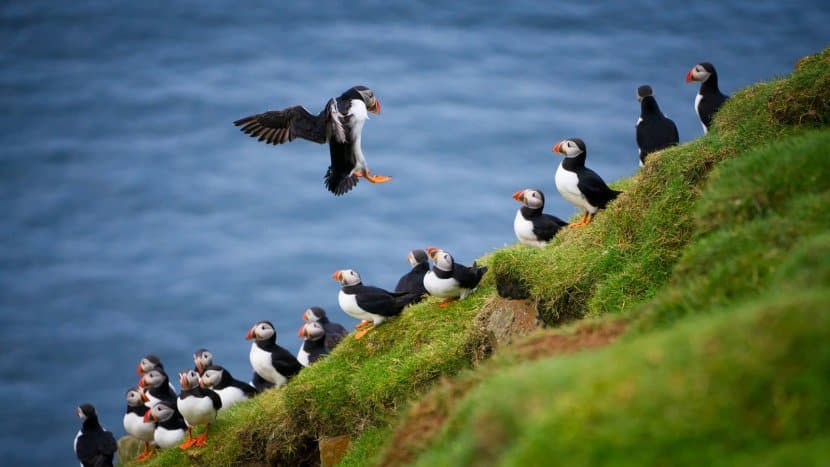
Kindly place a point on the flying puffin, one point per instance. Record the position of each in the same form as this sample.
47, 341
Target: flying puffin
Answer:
157, 388
270, 361
334, 332
450, 280
413, 281
579, 184
94, 446
198, 406
654, 130
533, 227
370, 304
230, 390
170, 426
314, 343
203, 358
340, 124
134, 423
709, 98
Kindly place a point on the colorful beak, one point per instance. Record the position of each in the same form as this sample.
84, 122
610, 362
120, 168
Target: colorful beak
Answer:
141, 383
199, 366
144, 396
519, 196
305, 316
431, 251
376, 108
338, 275
148, 416
250, 334
301, 333
138, 370
558, 147
183, 380
689, 77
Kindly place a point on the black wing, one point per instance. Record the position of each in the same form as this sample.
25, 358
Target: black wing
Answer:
285, 363
468, 277
338, 180
380, 302
96, 448
249, 390
413, 282
546, 226
217, 401
334, 334
655, 135
280, 126
594, 188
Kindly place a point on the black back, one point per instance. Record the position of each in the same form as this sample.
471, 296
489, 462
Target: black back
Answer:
281, 359
163, 391
591, 185
228, 380
655, 131
315, 349
712, 99
334, 334
545, 226
378, 301
468, 277
413, 281
95, 446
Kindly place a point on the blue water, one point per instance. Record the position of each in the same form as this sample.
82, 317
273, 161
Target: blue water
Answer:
137, 219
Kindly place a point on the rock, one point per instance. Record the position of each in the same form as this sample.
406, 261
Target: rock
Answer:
332, 450
507, 319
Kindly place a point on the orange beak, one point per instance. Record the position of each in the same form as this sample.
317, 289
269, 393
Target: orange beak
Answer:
148, 416
376, 108
431, 251
519, 195
183, 381
250, 334
305, 316
301, 333
556, 148
338, 275
689, 77
138, 370
144, 396
199, 366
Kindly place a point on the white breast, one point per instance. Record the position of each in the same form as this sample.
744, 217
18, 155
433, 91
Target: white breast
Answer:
197, 410
524, 231
261, 362
135, 426
230, 396
443, 288
302, 357
165, 438
349, 304
567, 184
358, 116
697, 111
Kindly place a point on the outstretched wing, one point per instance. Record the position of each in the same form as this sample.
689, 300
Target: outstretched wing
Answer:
280, 126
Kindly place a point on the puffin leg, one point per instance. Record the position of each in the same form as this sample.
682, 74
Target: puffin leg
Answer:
363, 324
201, 440
189, 441
359, 334
581, 222
445, 303
375, 178
590, 218
145, 453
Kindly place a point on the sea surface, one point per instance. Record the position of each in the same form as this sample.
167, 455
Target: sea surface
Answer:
137, 219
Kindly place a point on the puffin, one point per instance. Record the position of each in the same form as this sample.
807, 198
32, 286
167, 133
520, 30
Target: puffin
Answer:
450, 280
335, 332
270, 361
157, 388
203, 358
259, 383
579, 184
532, 227
654, 130
230, 390
340, 124
134, 423
413, 281
94, 446
151, 362
198, 405
709, 98
372, 305
314, 343
170, 426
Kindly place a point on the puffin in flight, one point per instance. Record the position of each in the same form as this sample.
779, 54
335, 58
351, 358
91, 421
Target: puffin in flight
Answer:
578, 184
271, 362
413, 281
450, 280
370, 304
335, 332
531, 225
94, 446
654, 130
709, 98
340, 124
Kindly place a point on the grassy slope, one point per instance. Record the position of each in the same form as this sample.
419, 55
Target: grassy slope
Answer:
632, 259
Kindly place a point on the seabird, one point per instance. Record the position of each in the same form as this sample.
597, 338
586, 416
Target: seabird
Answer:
134, 423
371, 305
202, 358
413, 281
170, 425
654, 130
230, 390
157, 388
198, 405
94, 446
709, 98
270, 361
531, 225
450, 280
314, 343
578, 184
335, 332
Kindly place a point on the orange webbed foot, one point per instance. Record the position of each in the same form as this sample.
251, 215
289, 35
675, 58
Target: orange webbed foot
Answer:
363, 324
201, 440
189, 442
359, 334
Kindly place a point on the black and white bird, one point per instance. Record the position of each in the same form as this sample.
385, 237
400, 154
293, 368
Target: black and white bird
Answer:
94, 446
371, 305
314, 343
230, 390
531, 225
170, 426
202, 358
335, 332
450, 280
709, 98
654, 130
151, 362
271, 362
134, 423
157, 388
340, 124
578, 184
198, 405
413, 281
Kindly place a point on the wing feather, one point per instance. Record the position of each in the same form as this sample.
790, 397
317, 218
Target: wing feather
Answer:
279, 126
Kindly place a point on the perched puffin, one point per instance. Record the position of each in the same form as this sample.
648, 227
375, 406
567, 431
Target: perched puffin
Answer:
230, 390
413, 281
203, 358
94, 446
157, 388
370, 304
134, 423
314, 343
170, 425
198, 406
270, 361
450, 280
709, 98
533, 227
335, 332
340, 124
151, 362
579, 184
654, 130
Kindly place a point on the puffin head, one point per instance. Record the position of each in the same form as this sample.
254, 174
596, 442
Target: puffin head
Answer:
416, 257
367, 96
441, 258
212, 376
203, 359
189, 379
135, 397
531, 198
700, 72
311, 331
86, 411
160, 412
149, 362
152, 379
643, 92
570, 147
314, 313
262, 331
346, 277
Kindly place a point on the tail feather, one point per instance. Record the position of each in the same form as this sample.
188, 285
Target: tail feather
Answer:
339, 183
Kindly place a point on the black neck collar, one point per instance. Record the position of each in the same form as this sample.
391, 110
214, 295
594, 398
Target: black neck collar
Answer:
441, 273
574, 163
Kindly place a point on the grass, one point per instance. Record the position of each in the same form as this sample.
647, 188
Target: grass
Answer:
704, 287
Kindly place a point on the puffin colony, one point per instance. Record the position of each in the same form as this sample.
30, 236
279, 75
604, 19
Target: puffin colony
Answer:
160, 418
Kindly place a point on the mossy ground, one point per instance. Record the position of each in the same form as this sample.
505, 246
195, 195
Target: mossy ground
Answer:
715, 267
